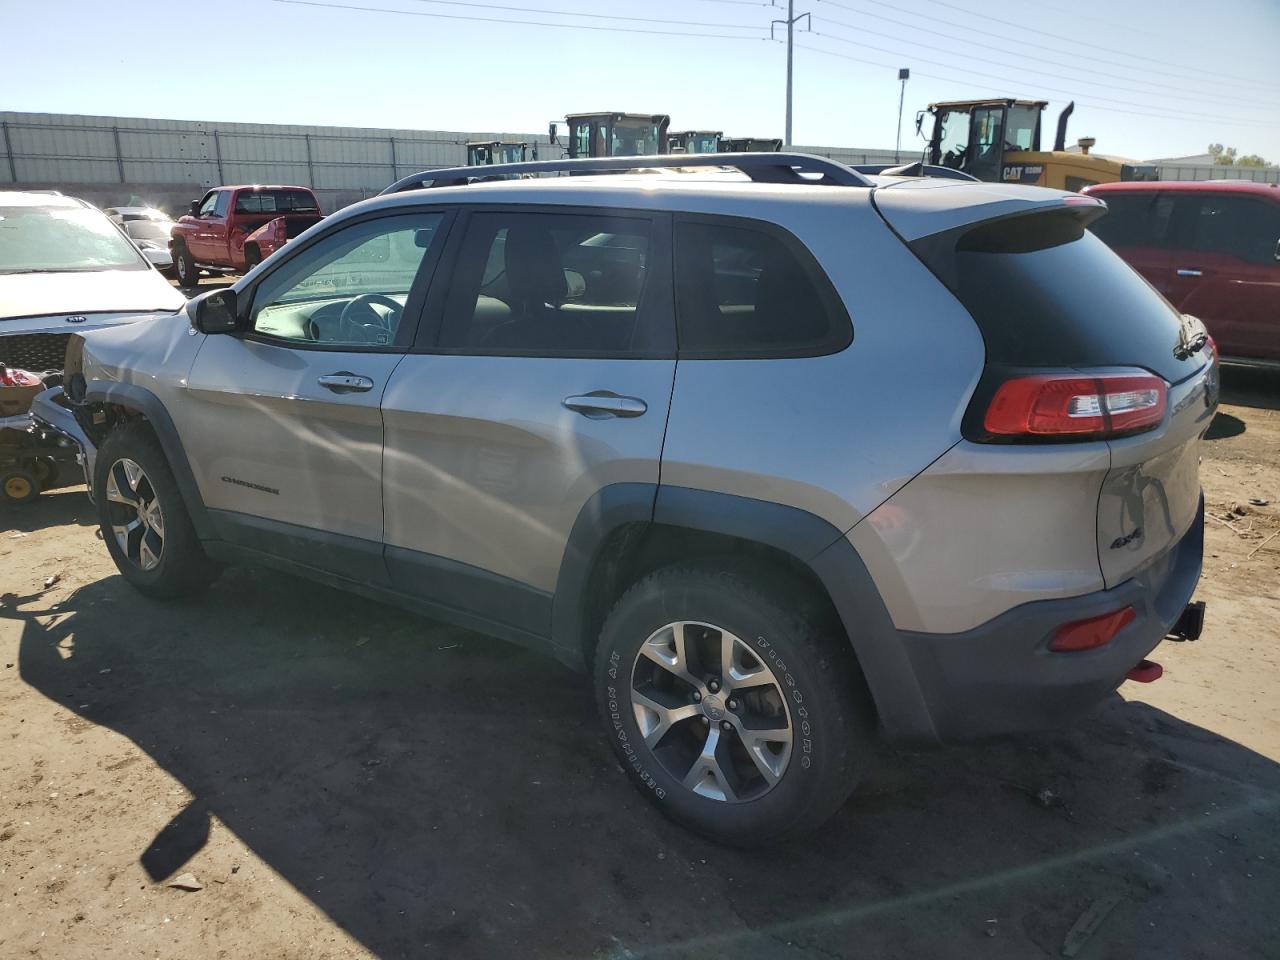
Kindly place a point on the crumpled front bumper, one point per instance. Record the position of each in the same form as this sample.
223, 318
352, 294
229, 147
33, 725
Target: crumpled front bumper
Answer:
49, 413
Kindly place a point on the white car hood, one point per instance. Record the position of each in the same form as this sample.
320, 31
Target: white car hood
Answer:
105, 291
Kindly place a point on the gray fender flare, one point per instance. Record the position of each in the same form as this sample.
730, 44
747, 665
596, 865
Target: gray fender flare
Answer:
815, 543
143, 401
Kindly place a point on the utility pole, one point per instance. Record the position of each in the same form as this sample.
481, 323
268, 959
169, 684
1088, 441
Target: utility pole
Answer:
790, 23
904, 75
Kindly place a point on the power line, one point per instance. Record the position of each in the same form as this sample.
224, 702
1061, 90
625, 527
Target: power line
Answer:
1181, 74
1005, 79
592, 16
951, 79
525, 23
1157, 88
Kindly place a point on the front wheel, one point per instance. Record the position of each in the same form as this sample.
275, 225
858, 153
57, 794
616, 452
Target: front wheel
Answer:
184, 267
739, 716
143, 518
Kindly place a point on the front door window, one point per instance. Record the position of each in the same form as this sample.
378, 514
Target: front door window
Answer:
351, 288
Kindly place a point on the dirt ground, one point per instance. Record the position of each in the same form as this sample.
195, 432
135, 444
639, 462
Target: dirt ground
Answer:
346, 780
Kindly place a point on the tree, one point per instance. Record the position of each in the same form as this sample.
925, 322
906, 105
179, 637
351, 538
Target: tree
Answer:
1222, 156
1252, 160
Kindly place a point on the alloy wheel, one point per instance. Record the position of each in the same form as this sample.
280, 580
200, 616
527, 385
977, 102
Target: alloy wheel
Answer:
712, 711
137, 520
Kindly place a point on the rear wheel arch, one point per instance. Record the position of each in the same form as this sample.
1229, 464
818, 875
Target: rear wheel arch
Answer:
618, 540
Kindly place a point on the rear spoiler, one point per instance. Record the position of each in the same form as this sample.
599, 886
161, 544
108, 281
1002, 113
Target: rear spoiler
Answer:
924, 207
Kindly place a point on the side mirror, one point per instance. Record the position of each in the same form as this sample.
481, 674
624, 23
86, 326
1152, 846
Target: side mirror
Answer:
919, 123
551, 133
214, 312
194, 207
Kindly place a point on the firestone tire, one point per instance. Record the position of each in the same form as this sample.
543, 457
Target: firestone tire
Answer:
755, 793
143, 518
184, 267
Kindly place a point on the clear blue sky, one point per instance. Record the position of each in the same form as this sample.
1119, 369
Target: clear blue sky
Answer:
1151, 78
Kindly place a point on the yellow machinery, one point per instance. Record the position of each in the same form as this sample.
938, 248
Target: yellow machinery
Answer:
999, 141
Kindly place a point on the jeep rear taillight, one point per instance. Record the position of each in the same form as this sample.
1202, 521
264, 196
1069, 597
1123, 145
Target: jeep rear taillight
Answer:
1074, 407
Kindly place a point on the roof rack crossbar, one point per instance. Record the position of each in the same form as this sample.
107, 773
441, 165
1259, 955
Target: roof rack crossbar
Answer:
761, 167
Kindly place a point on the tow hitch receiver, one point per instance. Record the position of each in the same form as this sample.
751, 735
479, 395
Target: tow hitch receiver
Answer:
1189, 624
1147, 671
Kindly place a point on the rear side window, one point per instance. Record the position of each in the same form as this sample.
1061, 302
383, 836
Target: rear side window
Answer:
551, 284
1139, 219
1239, 227
746, 290
1046, 292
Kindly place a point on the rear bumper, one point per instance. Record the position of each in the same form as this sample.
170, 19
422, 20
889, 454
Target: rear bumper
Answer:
1001, 677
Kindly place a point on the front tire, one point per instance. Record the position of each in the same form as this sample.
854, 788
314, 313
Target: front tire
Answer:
739, 716
143, 518
184, 267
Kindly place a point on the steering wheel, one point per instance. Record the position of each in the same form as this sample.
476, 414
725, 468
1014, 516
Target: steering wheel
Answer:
360, 323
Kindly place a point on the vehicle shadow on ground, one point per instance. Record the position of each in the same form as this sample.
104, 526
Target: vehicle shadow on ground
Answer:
1250, 387
437, 793
53, 508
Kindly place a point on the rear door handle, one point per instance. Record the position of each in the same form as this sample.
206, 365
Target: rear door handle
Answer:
345, 382
603, 404
1190, 272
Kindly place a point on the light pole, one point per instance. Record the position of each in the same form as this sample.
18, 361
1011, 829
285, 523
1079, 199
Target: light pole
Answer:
904, 75
790, 22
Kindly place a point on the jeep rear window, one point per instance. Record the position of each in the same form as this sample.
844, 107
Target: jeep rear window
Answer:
276, 201
750, 290
1046, 292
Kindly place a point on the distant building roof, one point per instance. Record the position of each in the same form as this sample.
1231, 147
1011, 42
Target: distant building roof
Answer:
1199, 159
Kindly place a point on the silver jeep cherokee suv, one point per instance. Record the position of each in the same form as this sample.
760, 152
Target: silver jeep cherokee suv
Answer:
788, 457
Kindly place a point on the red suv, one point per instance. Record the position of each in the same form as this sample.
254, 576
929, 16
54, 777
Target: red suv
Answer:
1212, 248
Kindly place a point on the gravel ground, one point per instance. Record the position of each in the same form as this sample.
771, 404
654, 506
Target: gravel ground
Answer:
345, 780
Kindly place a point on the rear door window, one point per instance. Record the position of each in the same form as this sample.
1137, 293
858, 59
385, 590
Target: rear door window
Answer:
558, 284
1239, 227
747, 289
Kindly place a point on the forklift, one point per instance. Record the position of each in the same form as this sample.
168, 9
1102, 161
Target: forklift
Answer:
750, 145
695, 141
998, 141
481, 153
615, 134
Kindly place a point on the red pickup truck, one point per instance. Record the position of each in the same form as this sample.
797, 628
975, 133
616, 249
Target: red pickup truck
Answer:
1212, 247
234, 228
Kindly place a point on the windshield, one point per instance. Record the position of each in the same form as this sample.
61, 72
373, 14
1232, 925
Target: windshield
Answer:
704, 143
276, 201
634, 138
147, 229
509, 153
62, 240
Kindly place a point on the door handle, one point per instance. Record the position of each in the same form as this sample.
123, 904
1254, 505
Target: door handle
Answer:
344, 382
1189, 272
600, 405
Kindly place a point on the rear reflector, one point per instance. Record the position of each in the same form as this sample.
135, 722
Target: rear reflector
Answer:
1092, 633
1075, 407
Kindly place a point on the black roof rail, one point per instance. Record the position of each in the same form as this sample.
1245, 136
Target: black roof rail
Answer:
915, 169
761, 167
